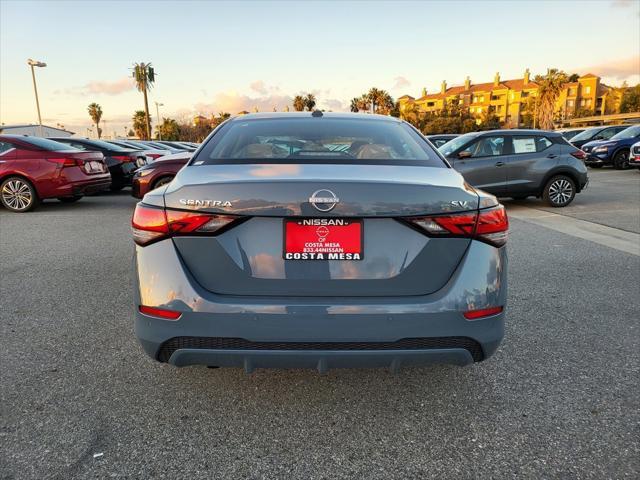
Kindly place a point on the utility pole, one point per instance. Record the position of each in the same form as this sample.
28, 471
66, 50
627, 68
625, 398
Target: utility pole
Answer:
35, 63
158, 105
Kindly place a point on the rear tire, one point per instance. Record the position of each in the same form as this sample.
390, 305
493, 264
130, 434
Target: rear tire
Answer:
621, 160
559, 191
161, 181
18, 195
69, 199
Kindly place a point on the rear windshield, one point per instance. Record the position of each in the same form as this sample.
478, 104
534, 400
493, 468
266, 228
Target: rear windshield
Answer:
587, 134
46, 144
630, 132
318, 140
107, 146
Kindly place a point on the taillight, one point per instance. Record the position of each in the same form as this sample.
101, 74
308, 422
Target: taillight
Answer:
150, 224
67, 161
159, 312
122, 158
154, 155
579, 154
482, 313
489, 226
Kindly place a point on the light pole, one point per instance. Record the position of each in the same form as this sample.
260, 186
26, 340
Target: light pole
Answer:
158, 105
36, 63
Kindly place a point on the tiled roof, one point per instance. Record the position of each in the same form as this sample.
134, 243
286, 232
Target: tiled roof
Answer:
589, 75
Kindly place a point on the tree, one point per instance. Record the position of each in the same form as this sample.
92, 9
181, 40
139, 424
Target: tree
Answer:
489, 120
360, 104
550, 86
573, 77
310, 101
140, 124
145, 76
298, 103
168, 129
630, 100
381, 100
95, 112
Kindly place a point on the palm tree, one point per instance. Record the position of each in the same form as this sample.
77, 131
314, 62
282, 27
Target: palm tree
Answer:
298, 103
380, 100
310, 101
550, 87
144, 76
95, 112
140, 124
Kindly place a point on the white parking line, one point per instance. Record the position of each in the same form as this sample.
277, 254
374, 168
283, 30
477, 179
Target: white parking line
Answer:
622, 240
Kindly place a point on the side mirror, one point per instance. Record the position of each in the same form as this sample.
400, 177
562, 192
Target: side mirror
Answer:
464, 154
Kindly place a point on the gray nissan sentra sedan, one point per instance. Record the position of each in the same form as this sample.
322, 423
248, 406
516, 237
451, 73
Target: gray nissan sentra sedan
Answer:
319, 240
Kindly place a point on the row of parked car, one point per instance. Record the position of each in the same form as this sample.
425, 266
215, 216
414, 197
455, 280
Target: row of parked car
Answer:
506, 163
68, 168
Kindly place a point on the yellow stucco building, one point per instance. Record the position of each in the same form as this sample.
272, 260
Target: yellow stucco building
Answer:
508, 99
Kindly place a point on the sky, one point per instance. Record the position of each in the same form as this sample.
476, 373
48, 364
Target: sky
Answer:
233, 56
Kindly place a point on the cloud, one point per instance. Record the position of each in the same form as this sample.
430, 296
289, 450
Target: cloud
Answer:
622, 69
333, 104
233, 102
116, 87
401, 82
259, 86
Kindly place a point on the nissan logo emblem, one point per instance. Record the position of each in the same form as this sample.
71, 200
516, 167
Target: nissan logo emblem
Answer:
324, 200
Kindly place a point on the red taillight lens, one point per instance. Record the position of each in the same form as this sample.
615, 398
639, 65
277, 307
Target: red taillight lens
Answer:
481, 313
493, 226
579, 154
67, 161
490, 225
123, 158
160, 312
154, 155
150, 224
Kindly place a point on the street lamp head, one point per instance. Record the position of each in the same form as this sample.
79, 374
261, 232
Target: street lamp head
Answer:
36, 63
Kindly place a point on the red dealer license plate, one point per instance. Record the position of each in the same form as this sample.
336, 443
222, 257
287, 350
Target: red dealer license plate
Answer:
323, 239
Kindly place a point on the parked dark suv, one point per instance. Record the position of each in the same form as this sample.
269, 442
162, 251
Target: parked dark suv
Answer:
596, 133
520, 164
614, 151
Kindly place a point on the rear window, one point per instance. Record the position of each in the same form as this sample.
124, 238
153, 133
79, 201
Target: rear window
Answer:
46, 144
630, 132
587, 134
318, 140
108, 146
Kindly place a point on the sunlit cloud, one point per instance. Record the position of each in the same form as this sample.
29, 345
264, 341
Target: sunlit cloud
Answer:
234, 102
401, 82
259, 86
116, 87
619, 70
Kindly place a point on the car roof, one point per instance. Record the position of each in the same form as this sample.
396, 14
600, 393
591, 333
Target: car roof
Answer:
280, 115
520, 131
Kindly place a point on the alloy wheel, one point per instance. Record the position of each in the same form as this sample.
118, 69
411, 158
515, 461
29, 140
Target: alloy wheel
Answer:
560, 191
17, 195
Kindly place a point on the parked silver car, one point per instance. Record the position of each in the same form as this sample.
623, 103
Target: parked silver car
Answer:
319, 240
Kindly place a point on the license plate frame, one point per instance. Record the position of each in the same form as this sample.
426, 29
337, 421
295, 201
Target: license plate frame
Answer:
347, 243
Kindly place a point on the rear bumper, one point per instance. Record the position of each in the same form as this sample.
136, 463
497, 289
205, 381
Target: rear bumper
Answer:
319, 332
92, 187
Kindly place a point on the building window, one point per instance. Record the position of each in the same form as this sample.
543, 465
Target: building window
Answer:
588, 102
524, 94
587, 90
572, 92
571, 103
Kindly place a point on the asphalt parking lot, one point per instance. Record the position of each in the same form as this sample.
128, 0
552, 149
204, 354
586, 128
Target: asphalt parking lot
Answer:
560, 399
